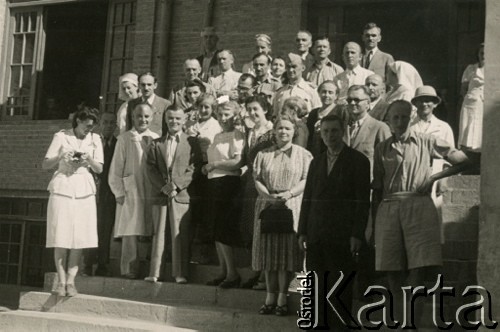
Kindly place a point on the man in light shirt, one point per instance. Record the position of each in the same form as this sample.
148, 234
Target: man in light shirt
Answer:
227, 81
296, 87
323, 69
192, 70
354, 73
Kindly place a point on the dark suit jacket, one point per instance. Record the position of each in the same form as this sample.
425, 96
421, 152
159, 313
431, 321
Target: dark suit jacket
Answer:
214, 65
308, 63
379, 112
335, 206
380, 62
369, 135
185, 167
159, 106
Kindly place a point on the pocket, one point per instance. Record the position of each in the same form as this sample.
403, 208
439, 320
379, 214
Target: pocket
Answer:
129, 183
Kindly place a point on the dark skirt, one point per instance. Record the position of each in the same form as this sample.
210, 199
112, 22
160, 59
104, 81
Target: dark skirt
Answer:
224, 208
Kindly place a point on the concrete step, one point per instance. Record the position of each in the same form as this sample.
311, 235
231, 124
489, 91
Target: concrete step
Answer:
29, 321
171, 293
193, 317
10, 294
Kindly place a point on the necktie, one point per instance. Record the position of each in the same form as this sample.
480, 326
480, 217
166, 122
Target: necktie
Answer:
223, 82
170, 154
353, 129
368, 59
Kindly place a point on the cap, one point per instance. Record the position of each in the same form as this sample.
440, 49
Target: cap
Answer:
426, 91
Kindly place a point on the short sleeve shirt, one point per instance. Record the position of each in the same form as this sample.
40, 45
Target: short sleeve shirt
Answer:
226, 146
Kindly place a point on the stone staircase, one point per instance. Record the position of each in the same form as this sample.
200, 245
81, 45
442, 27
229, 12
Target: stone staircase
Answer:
112, 304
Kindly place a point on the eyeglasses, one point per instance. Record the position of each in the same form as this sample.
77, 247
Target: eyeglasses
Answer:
355, 100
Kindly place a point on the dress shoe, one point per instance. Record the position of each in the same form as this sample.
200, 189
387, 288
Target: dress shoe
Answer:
102, 271
281, 310
267, 309
250, 283
60, 290
181, 280
231, 283
215, 282
151, 279
71, 290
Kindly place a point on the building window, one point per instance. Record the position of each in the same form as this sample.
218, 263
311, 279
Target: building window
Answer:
21, 71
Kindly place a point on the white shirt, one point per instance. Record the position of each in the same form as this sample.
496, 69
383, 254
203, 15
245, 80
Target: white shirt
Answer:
355, 76
226, 146
226, 81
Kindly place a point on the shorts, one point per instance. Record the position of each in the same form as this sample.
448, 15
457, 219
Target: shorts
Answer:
407, 234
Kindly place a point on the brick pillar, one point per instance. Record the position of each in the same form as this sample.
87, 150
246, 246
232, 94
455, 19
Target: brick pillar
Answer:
488, 273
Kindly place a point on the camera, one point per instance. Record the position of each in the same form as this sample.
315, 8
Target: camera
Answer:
77, 155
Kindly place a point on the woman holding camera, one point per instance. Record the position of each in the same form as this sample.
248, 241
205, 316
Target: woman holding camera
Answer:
71, 210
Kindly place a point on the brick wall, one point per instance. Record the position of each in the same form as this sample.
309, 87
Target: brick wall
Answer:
22, 148
237, 23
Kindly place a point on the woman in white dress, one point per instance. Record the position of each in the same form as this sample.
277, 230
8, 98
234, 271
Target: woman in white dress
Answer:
471, 115
71, 210
128, 90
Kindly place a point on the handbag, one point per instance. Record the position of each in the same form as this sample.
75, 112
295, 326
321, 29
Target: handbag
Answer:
276, 218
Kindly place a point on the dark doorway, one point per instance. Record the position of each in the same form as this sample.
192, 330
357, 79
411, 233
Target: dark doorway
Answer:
438, 37
74, 51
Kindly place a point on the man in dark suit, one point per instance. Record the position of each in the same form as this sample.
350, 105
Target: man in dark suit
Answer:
364, 132
173, 161
106, 204
333, 215
148, 85
374, 59
378, 106
208, 60
304, 44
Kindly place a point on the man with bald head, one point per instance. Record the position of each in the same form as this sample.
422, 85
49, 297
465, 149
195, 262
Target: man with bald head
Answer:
354, 73
227, 81
378, 106
323, 68
192, 70
296, 87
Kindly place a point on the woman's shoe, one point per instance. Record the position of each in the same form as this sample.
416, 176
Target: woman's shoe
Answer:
281, 310
267, 309
151, 279
215, 282
60, 290
231, 283
71, 290
261, 285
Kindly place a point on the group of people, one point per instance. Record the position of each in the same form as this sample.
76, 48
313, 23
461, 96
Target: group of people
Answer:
350, 164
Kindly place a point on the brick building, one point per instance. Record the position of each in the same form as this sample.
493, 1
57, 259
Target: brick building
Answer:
73, 50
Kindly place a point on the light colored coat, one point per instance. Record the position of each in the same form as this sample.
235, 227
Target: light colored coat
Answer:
127, 178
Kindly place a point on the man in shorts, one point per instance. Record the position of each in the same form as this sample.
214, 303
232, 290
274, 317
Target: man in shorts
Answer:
407, 231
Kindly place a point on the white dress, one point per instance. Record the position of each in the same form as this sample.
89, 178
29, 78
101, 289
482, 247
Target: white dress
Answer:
127, 177
71, 210
471, 115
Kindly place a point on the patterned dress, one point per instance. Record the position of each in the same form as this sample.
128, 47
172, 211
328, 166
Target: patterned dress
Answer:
279, 171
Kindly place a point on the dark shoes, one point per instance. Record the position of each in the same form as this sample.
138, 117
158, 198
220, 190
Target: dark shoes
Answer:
215, 282
231, 283
281, 310
102, 271
267, 309
250, 282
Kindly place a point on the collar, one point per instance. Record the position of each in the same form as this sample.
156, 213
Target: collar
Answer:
334, 154
374, 103
374, 50
150, 100
328, 63
227, 72
304, 55
146, 132
356, 70
269, 79
360, 121
411, 136
176, 136
286, 150
432, 119
301, 83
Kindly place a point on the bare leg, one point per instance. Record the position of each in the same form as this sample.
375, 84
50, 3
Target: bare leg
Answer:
283, 281
222, 264
271, 286
60, 259
73, 260
227, 252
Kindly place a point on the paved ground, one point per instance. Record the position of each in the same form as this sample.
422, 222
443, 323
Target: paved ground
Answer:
9, 295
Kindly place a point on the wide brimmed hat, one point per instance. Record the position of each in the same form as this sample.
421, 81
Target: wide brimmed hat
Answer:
426, 91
